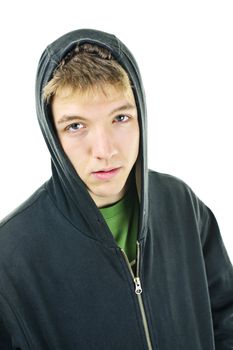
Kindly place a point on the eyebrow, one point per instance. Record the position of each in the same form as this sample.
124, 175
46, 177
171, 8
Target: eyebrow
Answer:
68, 118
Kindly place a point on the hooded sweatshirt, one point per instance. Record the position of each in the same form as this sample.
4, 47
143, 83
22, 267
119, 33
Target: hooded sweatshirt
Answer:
65, 284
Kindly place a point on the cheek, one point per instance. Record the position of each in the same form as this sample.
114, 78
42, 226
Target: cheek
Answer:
136, 146
129, 143
74, 151
71, 145
134, 137
78, 160
68, 148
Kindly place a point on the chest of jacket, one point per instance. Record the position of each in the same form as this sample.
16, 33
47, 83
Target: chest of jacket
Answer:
74, 292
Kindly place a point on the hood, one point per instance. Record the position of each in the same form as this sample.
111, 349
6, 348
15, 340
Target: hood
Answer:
68, 190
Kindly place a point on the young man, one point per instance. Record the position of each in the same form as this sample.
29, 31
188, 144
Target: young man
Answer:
106, 254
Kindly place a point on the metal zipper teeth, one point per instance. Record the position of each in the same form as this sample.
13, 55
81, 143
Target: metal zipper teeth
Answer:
138, 291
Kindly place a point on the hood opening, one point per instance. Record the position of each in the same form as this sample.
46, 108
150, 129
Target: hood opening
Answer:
69, 192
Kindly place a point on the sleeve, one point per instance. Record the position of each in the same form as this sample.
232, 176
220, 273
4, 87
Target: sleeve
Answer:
5, 340
10, 330
220, 281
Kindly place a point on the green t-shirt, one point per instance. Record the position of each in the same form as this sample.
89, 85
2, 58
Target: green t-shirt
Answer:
122, 220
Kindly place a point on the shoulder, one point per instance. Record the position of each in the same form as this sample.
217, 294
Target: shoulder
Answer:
25, 220
171, 191
166, 182
24, 208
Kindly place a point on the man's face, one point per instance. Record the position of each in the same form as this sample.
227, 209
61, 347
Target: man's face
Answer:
100, 135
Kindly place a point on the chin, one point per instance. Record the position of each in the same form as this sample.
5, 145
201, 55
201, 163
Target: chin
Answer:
109, 193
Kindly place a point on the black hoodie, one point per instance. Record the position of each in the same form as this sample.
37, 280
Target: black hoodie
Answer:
66, 285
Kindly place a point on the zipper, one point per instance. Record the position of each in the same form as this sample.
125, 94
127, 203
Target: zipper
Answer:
138, 292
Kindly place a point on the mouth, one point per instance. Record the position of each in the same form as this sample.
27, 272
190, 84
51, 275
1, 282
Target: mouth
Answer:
106, 174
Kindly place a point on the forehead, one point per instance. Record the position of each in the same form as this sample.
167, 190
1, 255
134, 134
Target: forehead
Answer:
96, 99
94, 93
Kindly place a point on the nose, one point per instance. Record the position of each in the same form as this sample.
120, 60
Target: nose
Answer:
103, 145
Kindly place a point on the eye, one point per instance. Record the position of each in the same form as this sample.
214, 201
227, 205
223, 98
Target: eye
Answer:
74, 127
122, 118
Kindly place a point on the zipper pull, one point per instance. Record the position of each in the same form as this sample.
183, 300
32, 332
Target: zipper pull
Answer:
138, 287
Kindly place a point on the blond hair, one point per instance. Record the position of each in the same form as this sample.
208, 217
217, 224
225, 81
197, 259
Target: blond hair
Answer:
87, 67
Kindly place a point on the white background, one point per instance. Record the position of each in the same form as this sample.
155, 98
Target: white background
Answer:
185, 52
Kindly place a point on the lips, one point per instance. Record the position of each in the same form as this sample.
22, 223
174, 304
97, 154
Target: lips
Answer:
106, 174
106, 170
